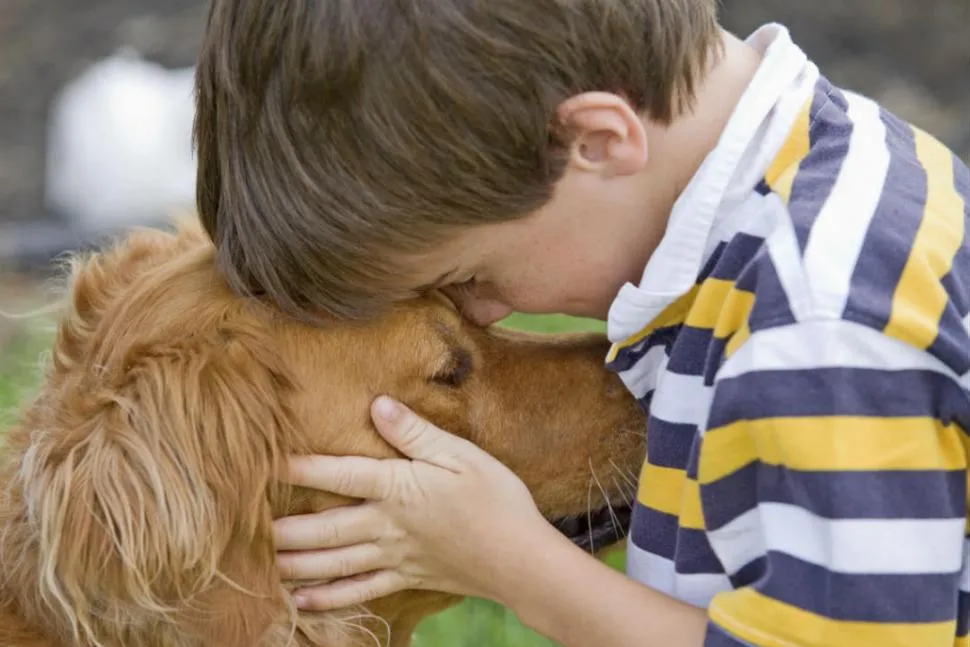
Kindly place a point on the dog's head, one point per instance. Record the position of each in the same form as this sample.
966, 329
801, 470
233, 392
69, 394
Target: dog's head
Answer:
141, 485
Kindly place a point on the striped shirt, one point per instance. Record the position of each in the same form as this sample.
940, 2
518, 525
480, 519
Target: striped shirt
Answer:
801, 342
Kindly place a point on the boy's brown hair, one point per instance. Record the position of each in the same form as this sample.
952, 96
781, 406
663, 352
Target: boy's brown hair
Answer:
338, 138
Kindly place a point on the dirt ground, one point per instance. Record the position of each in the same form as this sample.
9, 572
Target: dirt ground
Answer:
912, 54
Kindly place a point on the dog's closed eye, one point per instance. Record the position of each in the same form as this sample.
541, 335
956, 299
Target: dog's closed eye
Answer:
456, 370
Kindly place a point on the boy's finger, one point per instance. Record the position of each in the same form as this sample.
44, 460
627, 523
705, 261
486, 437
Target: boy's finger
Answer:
414, 436
351, 476
344, 526
350, 592
333, 564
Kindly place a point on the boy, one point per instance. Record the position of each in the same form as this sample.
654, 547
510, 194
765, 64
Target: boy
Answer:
784, 268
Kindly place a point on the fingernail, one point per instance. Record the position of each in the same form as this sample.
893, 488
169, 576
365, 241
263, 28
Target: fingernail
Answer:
386, 408
301, 601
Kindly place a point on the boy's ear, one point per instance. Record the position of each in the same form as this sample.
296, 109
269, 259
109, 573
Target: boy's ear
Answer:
605, 134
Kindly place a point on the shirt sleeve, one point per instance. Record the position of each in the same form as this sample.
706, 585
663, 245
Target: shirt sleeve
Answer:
834, 481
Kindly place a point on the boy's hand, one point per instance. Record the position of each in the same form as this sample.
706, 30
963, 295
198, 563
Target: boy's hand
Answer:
440, 520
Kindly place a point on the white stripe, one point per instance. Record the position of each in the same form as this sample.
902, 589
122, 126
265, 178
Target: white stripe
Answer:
660, 574
681, 399
865, 546
828, 343
786, 258
965, 575
740, 542
641, 378
754, 216
853, 546
841, 226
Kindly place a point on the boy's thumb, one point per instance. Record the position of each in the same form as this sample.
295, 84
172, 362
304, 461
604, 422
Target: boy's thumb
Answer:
410, 434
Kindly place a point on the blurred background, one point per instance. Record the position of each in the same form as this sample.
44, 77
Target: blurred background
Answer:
123, 125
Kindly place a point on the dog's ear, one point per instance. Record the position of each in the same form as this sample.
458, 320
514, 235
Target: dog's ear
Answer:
149, 490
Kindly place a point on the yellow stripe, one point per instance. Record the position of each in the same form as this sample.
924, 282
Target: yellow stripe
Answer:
734, 313
691, 514
762, 621
721, 306
668, 490
920, 298
711, 297
847, 443
672, 315
781, 173
725, 451
737, 339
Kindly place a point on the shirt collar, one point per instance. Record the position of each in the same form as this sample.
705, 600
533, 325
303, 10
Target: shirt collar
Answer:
673, 268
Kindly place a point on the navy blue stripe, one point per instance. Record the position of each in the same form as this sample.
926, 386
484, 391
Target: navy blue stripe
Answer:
961, 181
957, 281
896, 219
748, 277
693, 460
717, 637
771, 307
688, 355
653, 531
711, 263
646, 401
834, 391
658, 533
739, 252
694, 554
891, 494
834, 94
963, 614
829, 136
895, 494
920, 598
734, 495
714, 359
628, 357
669, 444
750, 573
951, 344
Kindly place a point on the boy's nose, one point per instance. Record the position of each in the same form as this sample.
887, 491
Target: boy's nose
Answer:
479, 311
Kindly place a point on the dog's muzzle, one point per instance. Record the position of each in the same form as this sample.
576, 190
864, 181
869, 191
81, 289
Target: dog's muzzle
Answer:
598, 530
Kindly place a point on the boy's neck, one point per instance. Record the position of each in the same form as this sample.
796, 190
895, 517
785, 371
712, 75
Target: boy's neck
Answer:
681, 147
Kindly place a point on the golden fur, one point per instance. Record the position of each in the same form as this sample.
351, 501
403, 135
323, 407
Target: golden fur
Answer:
139, 488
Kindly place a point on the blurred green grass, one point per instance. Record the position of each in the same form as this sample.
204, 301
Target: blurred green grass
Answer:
474, 623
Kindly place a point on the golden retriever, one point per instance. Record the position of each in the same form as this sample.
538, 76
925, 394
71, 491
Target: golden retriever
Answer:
140, 486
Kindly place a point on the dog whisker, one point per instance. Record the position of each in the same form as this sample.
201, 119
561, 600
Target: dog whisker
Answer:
622, 489
617, 527
626, 476
589, 514
629, 485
